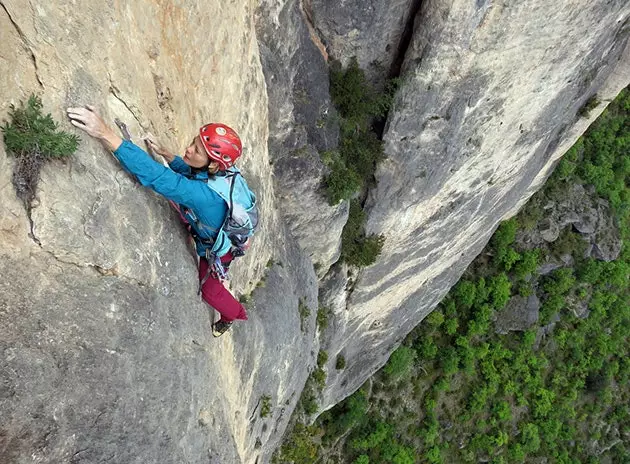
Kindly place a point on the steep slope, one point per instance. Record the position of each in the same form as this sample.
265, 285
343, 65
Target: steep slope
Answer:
106, 350
489, 100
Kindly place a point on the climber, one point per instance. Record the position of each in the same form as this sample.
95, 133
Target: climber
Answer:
193, 182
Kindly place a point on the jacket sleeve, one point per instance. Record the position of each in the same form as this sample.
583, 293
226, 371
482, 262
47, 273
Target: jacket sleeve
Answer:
157, 177
178, 165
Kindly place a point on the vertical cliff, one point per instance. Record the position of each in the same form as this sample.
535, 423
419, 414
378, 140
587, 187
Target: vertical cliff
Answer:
489, 100
106, 351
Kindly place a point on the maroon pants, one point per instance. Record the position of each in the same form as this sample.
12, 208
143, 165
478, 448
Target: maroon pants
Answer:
216, 295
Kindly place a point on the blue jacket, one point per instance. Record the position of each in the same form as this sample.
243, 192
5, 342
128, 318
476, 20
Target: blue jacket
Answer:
203, 207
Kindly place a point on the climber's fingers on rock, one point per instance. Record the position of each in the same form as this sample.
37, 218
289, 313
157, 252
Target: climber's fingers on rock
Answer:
78, 124
89, 121
79, 114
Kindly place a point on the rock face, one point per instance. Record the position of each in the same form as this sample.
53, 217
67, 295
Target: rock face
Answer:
370, 31
489, 100
519, 314
106, 352
302, 124
105, 349
591, 217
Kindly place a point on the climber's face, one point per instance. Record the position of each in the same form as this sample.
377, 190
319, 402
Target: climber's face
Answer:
195, 155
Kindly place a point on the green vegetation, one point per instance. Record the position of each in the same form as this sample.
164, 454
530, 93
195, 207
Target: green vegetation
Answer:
265, 405
340, 362
352, 166
322, 317
455, 391
33, 138
589, 106
319, 375
304, 312
400, 362
358, 249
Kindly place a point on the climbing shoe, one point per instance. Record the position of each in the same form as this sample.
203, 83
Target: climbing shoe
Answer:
220, 327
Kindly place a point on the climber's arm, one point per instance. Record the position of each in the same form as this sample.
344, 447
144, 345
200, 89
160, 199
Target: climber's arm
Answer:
175, 162
157, 177
136, 161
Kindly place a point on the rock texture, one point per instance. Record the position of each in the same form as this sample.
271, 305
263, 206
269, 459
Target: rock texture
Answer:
590, 217
489, 101
302, 124
106, 353
518, 315
373, 32
105, 349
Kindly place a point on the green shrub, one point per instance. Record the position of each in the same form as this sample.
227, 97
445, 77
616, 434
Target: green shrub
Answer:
500, 290
530, 438
358, 249
427, 349
559, 282
265, 406
355, 99
319, 376
322, 317
503, 237
33, 138
378, 433
399, 362
436, 318
465, 293
449, 360
322, 358
450, 326
569, 243
528, 264
353, 165
30, 133
340, 362
342, 183
299, 447
502, 411
304, 313
310, 405
592, 103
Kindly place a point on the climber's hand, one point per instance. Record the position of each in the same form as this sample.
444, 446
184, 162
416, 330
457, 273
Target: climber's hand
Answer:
158, 149
87, 119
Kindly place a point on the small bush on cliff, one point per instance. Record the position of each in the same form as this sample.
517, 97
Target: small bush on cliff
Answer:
33, 138
342, 182
357, 101
400, 362
360, 149
357, 248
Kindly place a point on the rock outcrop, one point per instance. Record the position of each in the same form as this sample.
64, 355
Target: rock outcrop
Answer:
376, 33
588, 215
519, 314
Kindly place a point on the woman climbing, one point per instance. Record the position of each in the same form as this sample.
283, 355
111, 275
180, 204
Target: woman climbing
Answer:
202, 185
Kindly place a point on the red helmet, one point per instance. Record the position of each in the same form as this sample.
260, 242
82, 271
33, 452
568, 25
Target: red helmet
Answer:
222, 144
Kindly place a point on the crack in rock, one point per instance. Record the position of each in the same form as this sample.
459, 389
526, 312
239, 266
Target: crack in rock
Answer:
316, 35
100, 270
26, 43
115, 91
